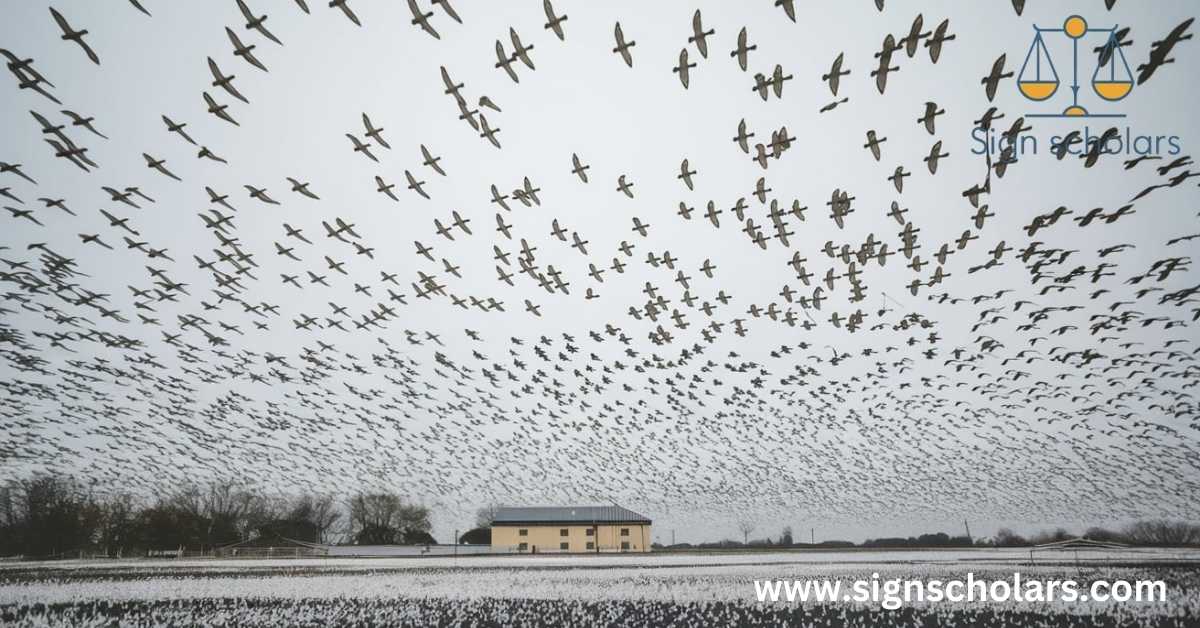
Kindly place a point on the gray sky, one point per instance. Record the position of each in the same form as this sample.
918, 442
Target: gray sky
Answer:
865, 456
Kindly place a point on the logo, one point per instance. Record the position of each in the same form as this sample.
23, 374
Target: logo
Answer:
1039, 79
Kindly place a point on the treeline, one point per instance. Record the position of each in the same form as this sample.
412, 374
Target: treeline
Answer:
1140, 533
1157, 532
47, 516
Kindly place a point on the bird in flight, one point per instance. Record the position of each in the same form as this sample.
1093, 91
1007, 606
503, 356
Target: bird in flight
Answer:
244, 51
623, 47
256, 23
700, 36
374, 133
554, 22
422, 19
683, 67
992, 80
742, 52
835, 74
70, 34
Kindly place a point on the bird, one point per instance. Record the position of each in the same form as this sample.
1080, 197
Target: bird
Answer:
742, 52
302, 188
85, 122
873, 142
992, 80
935, 155
360, 147
505, 61
623, 47
835, 74
431, 161
260, 194
683, 67
554, 22
415, 185
579, 168
624, 187
930, 115
218, 110
175, 127
256, 23
421, 19
159, 165
700, 36
935, 42
224, 82
70, 34
244, 51
1160, 51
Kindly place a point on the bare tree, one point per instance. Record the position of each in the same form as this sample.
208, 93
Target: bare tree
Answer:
1163, 532
325, 515
486, 515
311, 516
385, 518
118, 524
745, 526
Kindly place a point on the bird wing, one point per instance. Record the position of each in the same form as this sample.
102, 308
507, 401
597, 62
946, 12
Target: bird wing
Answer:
445, 4
62, 22
790, 9
245, 11
698, 32
742, 51
349, 13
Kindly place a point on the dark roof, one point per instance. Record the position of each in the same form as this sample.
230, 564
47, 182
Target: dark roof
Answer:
567, 514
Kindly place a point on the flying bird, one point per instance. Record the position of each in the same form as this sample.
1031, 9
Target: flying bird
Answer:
70, 34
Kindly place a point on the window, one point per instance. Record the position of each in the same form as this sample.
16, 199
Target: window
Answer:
591, 545
624, 546
522, 532
523, 547
562, 532
624, 531
591, 532
564, 546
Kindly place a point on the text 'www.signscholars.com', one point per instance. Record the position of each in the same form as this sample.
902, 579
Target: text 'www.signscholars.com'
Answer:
896, 592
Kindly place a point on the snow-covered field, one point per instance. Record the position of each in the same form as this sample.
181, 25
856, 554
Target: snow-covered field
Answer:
683, 589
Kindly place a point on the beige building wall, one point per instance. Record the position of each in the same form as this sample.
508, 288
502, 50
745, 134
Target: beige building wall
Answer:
549, 539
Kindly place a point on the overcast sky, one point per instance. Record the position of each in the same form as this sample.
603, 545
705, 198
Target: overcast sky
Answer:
697, 471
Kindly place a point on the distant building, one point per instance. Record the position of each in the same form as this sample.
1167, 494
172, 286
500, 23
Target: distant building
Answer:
575, 529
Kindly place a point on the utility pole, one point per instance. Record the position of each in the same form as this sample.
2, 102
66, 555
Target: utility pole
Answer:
672, 536
812, 535
456, 543
968, 527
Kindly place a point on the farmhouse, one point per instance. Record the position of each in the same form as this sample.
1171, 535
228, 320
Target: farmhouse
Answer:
561, 529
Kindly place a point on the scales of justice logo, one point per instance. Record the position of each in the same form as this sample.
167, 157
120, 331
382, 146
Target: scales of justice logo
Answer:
1111, 78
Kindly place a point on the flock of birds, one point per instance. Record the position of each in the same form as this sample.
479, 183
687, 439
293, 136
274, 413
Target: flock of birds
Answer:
548, 611
1070, 388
